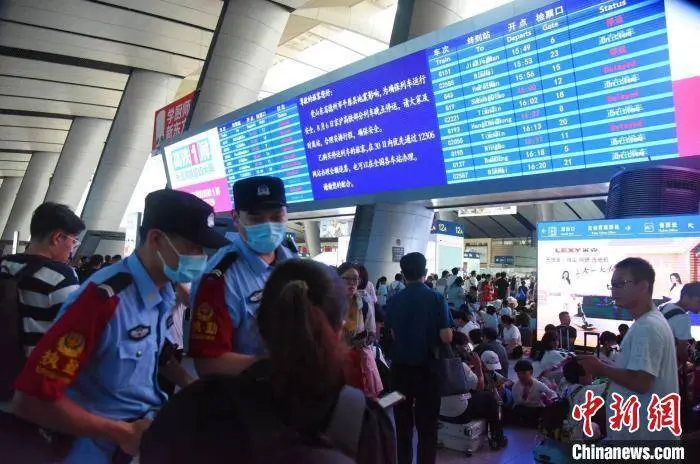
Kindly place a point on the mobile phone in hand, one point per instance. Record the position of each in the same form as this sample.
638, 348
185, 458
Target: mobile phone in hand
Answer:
390, 400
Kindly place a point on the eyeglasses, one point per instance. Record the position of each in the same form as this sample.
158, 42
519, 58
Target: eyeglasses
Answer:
351, 280
76, 242
619, 284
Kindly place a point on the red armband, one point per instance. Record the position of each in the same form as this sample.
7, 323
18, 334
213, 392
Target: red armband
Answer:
211, 331
67, 346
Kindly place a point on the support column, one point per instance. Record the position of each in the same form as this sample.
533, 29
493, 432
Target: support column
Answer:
243, 52
78, 161
379, 228
431, 15
312, 236
450, 216
545, 212
31, 194
127, 148
8, 194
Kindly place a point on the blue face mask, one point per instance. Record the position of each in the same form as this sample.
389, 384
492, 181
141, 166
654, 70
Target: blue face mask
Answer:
189, 267
266, 237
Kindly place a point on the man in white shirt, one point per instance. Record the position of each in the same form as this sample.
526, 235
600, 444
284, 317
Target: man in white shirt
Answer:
465, 322
647, 361
676, 313
472, 279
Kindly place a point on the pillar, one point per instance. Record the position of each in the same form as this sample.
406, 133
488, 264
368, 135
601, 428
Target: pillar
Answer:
312, 236
8, 193
450, 216
78, 161
243, 51
31, 194
431, 15
127, 148
378, 229
545, 212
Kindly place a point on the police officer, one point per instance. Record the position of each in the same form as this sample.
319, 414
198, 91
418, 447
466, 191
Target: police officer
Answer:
224, 336
93, 375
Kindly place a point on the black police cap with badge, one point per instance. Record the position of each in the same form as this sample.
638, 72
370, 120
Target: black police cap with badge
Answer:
259, 193
183, 214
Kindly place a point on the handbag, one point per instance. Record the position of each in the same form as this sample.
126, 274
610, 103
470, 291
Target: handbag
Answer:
448, 371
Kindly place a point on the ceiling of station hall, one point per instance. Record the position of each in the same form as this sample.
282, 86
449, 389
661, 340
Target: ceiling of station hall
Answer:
62, 59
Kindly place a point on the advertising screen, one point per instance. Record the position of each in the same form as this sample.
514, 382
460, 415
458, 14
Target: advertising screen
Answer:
572, 85
575, 263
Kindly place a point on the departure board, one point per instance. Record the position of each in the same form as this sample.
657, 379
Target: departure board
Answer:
268, 143
575, 84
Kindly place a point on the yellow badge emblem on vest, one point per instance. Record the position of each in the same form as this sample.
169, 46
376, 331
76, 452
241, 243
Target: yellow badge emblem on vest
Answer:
71, 344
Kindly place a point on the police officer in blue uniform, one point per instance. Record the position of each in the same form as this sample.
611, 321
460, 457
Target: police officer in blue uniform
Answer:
224, 336
94, 374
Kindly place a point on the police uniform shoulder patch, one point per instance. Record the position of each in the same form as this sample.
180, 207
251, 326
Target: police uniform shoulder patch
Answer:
71, 344
139, 332
169, 322
255, 297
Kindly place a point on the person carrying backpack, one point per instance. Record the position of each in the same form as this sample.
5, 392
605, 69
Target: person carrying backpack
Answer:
290, 406
33, 285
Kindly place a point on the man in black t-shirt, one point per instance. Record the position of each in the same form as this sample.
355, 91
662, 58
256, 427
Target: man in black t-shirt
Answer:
501, 286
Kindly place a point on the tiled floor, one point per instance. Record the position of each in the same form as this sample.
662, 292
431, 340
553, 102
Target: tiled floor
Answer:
521, 442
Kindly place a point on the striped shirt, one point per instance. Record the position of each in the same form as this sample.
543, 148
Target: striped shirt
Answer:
41, 294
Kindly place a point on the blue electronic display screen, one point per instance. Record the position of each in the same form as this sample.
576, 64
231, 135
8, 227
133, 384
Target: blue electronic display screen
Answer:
573, 85
576, 261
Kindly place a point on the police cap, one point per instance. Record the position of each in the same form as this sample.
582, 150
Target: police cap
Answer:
182, 214
256, 193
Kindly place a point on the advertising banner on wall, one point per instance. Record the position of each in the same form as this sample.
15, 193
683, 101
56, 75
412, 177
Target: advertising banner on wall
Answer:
170, 120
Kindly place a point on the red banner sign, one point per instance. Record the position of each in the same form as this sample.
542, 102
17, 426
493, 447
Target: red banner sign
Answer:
170, 120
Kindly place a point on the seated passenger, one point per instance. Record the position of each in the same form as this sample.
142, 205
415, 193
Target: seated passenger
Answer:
530, 395
579, 381
607, 348
464, 321
478, 404
491, 318
552, 358
283, 407
511, 338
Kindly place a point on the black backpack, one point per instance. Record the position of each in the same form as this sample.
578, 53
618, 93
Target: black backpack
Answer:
222, 409
11, 333
551, 423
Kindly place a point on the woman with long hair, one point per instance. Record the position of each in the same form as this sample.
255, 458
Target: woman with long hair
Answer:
282, 408
360, 333
674, 293
455, 292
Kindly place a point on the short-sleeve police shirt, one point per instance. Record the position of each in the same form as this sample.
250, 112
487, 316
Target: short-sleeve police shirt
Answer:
244, 281
103, 354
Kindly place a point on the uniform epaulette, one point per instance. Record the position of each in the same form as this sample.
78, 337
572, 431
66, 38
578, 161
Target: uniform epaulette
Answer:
226, 262
116, 284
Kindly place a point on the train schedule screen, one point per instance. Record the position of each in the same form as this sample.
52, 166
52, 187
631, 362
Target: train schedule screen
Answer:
573, 85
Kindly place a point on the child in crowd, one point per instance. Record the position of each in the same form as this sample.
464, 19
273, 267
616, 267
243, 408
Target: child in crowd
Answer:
552, 358
530, 396
607, 349
578, 382
495, 383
